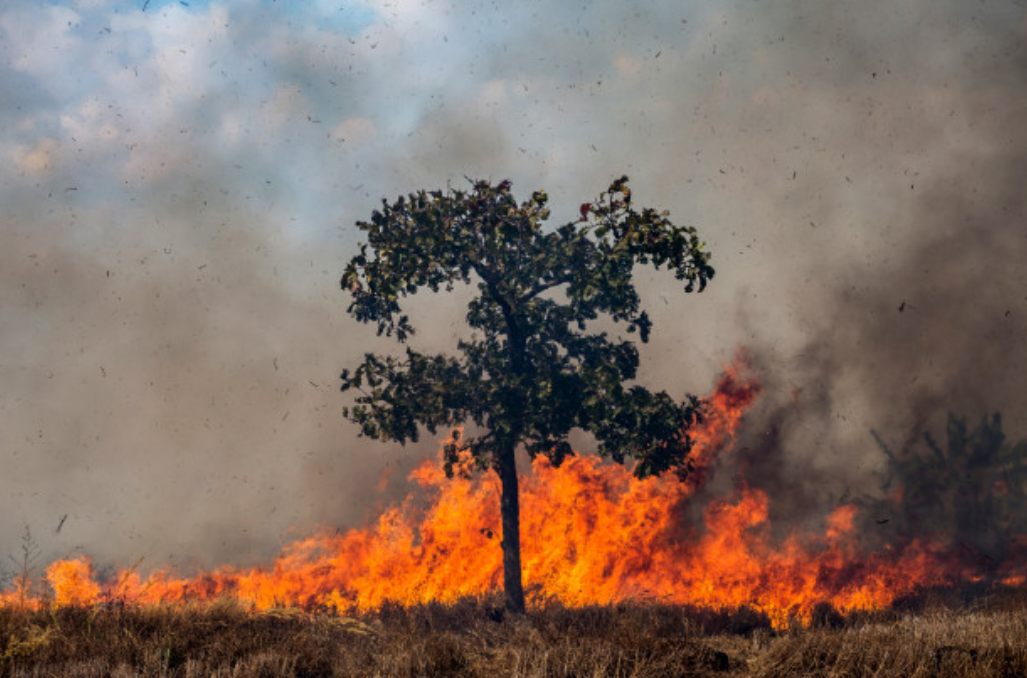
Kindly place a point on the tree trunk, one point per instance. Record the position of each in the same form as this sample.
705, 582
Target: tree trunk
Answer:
510, 510
513, 399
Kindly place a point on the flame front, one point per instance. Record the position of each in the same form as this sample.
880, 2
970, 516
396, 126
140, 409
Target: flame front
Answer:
591, 534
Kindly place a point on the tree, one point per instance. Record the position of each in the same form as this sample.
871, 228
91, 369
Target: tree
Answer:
533, 370
970, 491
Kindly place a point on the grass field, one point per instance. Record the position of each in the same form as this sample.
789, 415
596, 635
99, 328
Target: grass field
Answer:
940, 635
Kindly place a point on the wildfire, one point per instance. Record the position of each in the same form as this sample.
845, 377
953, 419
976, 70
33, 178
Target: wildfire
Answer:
591, 534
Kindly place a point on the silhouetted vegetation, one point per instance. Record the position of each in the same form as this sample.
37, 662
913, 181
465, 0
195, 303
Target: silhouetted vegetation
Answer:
534, 368
968, 494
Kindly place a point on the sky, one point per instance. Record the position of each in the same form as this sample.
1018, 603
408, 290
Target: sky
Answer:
180, 183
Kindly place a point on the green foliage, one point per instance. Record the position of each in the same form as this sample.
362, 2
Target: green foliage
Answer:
531, 371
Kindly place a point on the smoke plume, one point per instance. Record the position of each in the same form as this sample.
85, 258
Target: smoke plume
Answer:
180, 186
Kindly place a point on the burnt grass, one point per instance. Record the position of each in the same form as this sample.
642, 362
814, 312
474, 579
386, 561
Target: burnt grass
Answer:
936, 633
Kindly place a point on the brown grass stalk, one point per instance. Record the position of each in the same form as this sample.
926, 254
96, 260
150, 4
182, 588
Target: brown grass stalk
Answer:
474, 638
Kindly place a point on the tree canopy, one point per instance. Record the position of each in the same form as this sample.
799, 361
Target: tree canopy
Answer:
534, 368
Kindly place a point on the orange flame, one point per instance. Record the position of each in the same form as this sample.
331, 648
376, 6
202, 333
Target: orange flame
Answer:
591, 534
72, 582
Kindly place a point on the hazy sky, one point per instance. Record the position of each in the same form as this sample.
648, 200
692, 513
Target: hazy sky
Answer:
180, 181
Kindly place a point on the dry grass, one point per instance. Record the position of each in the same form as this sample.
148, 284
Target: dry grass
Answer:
926, 638
936, 645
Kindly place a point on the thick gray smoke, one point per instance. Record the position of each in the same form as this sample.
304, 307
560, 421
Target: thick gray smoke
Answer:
919, 308
180, 185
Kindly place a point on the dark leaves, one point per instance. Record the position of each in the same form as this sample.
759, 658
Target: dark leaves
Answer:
533, 371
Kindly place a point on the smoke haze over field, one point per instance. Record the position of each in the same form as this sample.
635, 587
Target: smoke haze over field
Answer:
180, 184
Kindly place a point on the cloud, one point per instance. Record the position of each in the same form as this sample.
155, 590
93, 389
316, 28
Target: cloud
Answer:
355, 130
36, 160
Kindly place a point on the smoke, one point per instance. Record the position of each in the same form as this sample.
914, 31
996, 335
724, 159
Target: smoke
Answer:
921, 307
176, 216
149, 393
172, 330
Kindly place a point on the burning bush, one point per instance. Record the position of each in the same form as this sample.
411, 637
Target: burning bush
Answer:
967, 497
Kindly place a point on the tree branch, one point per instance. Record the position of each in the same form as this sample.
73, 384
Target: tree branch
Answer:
542, 287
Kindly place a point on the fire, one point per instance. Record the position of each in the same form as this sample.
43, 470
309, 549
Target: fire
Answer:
591, 534
72, 582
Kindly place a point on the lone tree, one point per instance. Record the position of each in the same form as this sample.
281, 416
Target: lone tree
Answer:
531, 371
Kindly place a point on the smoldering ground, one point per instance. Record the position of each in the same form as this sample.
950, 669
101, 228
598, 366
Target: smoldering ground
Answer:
175, 221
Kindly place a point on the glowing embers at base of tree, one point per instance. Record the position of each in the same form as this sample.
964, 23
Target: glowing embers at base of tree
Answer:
591, 534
